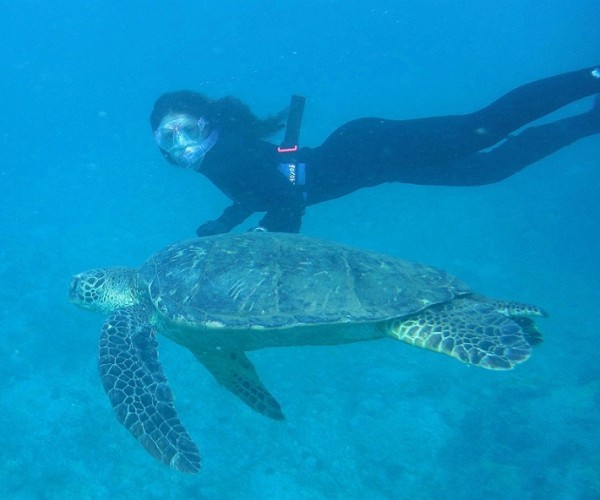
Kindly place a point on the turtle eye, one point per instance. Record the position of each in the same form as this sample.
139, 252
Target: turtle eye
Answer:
86, 288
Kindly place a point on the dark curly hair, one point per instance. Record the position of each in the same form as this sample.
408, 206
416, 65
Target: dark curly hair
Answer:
228, 113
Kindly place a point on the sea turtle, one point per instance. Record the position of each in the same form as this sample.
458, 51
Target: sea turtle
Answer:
223, 295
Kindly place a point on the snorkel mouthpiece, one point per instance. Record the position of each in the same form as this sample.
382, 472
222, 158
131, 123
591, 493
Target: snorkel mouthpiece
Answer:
195, 152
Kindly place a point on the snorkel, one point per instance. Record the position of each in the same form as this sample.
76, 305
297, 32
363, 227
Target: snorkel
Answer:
184, 140
195, 152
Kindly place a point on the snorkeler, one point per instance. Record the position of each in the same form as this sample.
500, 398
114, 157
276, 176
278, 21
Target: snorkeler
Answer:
225, 141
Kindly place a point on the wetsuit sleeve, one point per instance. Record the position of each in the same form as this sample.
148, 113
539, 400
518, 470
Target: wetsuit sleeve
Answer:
286, 216
233, 215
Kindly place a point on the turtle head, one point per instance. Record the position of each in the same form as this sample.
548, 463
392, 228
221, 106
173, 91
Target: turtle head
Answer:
104, 290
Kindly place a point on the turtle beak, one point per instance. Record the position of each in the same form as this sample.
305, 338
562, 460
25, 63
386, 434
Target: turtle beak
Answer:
88, 290
80, 293
74, 296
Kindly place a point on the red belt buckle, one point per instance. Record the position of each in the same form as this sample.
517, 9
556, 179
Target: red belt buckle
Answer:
287, 150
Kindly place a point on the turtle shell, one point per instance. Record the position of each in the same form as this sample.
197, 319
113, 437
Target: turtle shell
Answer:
278, 280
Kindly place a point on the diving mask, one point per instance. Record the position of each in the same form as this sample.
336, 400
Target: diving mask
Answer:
185, 139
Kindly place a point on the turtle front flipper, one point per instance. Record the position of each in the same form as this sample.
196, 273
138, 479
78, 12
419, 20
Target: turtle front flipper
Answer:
236, 373
138, 389
469, 330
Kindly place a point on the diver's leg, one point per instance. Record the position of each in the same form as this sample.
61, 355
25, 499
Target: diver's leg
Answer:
535, 100
411, 143
517, 152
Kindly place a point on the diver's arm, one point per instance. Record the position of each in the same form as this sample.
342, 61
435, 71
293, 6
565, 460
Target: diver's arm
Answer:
232, 216
286, 216
282, 221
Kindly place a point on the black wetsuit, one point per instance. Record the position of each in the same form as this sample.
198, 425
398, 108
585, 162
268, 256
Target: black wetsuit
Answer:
446, 150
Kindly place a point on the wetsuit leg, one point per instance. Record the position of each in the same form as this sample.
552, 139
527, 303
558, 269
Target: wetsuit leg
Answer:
511, 156
534, 100
446, 137
370, 151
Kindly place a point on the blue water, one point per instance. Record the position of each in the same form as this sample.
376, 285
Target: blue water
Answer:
82, 185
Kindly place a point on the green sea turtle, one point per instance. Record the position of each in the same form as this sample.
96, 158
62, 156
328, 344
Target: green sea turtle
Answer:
224, 295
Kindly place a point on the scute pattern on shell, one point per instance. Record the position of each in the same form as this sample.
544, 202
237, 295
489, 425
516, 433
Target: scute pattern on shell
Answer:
234, 282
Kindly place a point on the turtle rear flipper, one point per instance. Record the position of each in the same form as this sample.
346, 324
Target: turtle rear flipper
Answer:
512, 308
521, 313
138, 389
530, 330
473, 332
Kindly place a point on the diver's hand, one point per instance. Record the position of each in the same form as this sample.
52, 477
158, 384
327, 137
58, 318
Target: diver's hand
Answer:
210, 228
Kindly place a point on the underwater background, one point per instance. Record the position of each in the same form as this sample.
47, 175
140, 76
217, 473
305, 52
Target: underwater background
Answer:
83, 185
